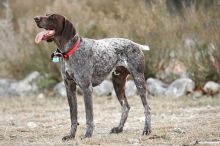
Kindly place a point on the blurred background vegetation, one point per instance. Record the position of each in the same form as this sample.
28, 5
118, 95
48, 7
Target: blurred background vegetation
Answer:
186, 31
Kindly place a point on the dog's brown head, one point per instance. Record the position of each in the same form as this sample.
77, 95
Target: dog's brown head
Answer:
57, 28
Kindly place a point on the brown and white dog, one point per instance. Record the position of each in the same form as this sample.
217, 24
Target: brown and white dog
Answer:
89, 64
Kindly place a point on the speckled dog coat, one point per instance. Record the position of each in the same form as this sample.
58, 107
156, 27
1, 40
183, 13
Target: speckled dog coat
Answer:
90, 64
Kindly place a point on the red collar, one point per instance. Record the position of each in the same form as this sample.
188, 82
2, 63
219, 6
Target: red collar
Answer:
70, 52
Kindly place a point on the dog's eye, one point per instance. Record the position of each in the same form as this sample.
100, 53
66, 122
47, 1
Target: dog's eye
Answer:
51, 17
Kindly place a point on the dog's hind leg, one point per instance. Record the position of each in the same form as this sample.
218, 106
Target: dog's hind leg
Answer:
135, 64
141, 87
119, 79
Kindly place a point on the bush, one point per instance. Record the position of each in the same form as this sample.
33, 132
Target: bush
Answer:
146, 22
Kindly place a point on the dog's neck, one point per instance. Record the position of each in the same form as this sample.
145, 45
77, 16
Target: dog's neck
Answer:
69, 45
65, 45
61, 42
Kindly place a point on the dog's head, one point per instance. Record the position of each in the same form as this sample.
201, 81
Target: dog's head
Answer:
55, 25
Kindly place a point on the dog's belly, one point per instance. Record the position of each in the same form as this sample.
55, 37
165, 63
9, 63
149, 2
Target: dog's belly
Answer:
104, 61
102, 69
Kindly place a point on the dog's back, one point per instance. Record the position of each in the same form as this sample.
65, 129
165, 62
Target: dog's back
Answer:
108, 54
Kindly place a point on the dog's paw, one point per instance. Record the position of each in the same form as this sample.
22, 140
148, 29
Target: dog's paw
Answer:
116, 130
88, 134
68, 137
146, 132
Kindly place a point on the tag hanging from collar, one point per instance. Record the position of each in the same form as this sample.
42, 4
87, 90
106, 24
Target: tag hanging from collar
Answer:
56, 56
56, 59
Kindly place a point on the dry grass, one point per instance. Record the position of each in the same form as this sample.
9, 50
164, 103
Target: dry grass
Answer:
196, 120
152, 25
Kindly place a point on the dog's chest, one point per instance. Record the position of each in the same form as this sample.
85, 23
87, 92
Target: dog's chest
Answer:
68, 68
68, 72
75, 72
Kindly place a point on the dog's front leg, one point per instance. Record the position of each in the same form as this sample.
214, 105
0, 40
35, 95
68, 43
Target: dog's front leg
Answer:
87, 91
71, 95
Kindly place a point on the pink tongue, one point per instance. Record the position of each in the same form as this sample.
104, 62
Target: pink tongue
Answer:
43, 35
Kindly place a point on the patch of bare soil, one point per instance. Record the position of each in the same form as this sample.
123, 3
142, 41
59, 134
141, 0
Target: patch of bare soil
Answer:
44, 121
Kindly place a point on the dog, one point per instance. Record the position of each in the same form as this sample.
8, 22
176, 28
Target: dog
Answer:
86, 63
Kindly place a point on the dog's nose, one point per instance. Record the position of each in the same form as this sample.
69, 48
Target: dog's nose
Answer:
37, 18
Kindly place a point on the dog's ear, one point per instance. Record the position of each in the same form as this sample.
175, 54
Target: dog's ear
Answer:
68, 30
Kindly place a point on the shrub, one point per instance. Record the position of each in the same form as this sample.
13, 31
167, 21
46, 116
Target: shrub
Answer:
152, 23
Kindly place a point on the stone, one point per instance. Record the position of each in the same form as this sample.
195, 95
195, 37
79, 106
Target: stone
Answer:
31, 78
130, 88
5, 86
197, 94
211, 88
41, 96
60, 90
104, 89
180, 87
179, 131
32, 125
156, 87
27, 86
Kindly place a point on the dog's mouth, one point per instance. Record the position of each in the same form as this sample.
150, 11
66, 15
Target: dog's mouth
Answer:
44, 35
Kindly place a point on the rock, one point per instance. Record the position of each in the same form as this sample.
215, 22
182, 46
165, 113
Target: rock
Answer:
180, 87
41, 96
104, 89
113, 93
156, 87
197, 94
5, 83
5, 86
31, 78
130, 88
60, 90
179, 131
22, 89
31, 125
27, 86
3, 92
211, 88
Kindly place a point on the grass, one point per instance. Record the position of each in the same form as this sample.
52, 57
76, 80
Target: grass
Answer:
155, 25
174, 122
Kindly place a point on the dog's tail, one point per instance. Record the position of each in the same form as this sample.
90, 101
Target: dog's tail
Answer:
143, 47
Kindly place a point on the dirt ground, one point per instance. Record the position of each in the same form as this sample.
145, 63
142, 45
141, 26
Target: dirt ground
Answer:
45, 120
